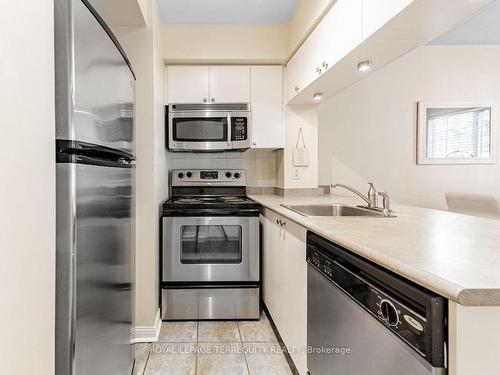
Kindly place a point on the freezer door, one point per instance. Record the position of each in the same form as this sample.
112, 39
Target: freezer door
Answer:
94, 269
94, 85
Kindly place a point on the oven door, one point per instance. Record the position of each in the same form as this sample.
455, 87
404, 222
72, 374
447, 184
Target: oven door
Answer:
210, 249
199, 131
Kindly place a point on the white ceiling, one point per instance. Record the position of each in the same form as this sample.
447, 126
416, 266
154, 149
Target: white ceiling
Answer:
481, 28
226, 11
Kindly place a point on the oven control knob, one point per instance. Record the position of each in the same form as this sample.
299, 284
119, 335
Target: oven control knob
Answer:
236, 175
389, 312
229, 174
180, 175
189, 174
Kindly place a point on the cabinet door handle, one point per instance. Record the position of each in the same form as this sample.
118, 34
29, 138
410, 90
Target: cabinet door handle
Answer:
296, 88
278, 221
213, 100
254, 143
205, 100
318, 70
325, 65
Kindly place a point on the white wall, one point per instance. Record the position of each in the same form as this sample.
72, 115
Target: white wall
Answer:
141, 46
368, 131
230, 43
258, 44
296, 117
122, 12
27, 188
138, 45
161, 165
259, 164
225, 43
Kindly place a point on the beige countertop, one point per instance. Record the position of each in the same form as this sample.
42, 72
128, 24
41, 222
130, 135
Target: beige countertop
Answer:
456, 256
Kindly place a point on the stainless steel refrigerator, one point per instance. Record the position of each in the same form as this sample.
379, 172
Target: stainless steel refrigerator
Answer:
95, 195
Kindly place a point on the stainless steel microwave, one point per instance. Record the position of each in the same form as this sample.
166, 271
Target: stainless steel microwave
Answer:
209, 127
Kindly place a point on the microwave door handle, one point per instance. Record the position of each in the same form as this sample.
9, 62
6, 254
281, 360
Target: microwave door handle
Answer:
229, 142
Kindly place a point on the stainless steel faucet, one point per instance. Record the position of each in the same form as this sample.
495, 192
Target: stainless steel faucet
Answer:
371, 199
386, 201
372, 196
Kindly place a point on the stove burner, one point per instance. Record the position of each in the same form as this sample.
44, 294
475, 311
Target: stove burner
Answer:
209, 200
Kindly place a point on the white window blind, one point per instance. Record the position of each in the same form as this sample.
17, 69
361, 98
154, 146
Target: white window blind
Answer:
458, 133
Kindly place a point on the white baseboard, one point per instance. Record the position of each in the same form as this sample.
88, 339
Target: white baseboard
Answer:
147, 333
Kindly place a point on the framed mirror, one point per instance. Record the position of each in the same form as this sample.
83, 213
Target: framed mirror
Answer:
455, 133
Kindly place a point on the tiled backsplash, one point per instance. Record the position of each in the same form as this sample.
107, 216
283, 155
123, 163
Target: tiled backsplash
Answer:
260, 164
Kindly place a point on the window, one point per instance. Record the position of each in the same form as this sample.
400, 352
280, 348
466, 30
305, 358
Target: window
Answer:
455, 134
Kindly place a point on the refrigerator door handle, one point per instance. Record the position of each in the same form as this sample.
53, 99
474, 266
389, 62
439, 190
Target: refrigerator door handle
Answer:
91, 150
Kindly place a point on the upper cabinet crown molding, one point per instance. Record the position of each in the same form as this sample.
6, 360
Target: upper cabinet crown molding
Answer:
356, 30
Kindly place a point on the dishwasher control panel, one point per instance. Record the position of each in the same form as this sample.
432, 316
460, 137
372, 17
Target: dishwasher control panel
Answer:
405, 317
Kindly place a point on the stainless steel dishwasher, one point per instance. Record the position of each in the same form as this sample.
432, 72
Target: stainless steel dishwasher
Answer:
364, 320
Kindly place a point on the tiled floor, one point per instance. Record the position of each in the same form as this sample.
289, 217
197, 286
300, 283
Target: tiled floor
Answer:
213, 348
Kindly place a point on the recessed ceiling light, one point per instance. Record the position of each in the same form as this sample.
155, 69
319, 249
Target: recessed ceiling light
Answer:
318, 96
363, 66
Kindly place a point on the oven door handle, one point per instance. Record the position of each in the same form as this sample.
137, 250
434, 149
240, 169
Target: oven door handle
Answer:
216, 213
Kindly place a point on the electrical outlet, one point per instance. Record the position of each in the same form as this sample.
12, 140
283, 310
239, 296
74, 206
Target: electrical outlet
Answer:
295, 174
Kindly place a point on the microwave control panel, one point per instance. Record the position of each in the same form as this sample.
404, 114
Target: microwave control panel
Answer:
239, 126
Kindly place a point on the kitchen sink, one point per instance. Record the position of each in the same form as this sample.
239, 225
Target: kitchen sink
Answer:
334, 210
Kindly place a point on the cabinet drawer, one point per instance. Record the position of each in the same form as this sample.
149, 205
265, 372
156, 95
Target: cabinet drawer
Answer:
222, 303
289, 226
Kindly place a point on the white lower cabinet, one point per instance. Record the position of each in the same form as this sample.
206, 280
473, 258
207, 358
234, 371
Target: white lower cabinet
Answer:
284, 281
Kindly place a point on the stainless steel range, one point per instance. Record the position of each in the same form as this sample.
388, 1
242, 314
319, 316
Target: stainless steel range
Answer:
210, 256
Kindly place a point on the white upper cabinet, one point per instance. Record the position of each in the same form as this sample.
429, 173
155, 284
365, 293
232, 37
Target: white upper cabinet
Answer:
339, 32
301, 69
356, 30
376, 13
230, 84
208, 84
188, 84
261, 86
335, 36
293, 69
267, 106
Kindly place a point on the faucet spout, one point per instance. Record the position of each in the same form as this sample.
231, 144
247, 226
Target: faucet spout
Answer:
369, 201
